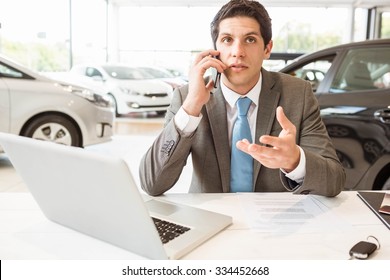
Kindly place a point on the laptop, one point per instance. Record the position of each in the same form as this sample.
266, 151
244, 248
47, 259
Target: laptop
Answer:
96, 194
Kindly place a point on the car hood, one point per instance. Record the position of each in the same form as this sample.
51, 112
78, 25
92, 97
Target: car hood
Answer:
76, 82
144, 86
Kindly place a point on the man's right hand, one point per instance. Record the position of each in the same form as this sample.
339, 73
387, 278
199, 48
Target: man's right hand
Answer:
198, 91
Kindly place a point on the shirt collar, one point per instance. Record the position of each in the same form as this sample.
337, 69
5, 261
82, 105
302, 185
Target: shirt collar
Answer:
231, 96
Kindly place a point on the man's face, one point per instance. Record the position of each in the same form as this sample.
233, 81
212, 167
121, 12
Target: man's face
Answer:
242, 50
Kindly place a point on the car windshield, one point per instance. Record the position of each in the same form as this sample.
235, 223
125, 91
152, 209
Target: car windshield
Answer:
157, 73
127, 73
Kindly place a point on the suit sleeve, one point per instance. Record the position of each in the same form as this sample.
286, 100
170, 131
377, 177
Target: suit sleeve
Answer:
324, 172
161, 166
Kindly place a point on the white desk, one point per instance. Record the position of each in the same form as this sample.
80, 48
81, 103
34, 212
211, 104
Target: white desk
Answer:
26, 234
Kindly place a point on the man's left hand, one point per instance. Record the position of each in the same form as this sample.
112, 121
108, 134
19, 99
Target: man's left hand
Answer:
276, 152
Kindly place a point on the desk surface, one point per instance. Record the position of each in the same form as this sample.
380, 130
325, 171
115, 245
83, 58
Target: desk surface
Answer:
25, 233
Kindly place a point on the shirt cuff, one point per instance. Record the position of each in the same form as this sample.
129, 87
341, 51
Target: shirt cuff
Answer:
298, 174
186, 122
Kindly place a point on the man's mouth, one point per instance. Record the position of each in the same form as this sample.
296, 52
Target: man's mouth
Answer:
237, 67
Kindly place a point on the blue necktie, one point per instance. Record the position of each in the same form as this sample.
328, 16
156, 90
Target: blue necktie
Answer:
241, 175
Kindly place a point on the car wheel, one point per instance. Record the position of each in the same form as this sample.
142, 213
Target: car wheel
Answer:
386, 186
382, 180
54, 128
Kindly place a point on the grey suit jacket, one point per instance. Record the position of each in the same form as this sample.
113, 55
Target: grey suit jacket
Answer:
162, 165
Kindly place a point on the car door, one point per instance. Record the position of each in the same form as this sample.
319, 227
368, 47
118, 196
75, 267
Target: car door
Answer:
355, 108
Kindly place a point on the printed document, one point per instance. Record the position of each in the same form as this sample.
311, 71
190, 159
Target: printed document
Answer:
276, 212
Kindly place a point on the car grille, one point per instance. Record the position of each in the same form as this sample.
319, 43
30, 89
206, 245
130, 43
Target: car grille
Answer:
162, 94
137, 106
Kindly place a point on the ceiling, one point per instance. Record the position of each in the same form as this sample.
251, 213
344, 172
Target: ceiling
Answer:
266, 3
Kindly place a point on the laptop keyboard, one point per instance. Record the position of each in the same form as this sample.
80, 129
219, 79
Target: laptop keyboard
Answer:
167, 230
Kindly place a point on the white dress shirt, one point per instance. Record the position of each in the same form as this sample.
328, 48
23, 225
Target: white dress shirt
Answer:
188, 123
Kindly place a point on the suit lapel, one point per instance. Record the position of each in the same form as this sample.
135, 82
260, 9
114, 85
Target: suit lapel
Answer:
268, 101
216, 110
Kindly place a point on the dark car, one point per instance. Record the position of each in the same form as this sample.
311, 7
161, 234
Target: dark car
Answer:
353, 92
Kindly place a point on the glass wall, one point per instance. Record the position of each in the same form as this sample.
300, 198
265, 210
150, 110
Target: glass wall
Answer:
170, 37
384, 31
36, 33
89, 30
60, 33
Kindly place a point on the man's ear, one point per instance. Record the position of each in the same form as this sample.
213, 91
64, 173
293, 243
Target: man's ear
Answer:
268, 48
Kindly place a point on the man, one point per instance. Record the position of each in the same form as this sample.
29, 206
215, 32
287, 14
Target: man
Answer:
291, 150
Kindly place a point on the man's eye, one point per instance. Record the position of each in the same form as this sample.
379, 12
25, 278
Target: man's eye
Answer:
226, 40
251, 40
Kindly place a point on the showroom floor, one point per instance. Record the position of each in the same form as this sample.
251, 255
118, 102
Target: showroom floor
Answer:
132, 137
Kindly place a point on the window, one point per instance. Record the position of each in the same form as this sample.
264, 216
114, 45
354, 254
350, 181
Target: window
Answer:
363, 69
9, 72
92, 72
314, 71
384, 25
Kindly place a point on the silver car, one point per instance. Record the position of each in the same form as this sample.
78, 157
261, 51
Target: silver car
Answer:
132, 89
35, 106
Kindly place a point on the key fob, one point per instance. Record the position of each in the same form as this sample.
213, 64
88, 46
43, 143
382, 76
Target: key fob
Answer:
362, 250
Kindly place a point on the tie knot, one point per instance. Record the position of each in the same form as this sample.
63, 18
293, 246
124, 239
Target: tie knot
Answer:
243, 106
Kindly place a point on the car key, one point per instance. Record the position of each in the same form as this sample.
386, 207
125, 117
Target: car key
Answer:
362, 250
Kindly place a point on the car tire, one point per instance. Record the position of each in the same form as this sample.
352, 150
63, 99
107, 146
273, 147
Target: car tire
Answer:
382, 180
54, 128
386, 186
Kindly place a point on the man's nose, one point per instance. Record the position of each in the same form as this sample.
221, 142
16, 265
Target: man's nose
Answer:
238, 49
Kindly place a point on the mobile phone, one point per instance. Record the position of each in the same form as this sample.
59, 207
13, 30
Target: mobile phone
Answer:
385, 209
385, 205
216, 76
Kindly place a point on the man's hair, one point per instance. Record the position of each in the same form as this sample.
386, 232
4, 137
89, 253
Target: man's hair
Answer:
244, 8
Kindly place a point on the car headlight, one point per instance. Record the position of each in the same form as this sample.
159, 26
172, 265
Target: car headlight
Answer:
129, 91
97, 99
